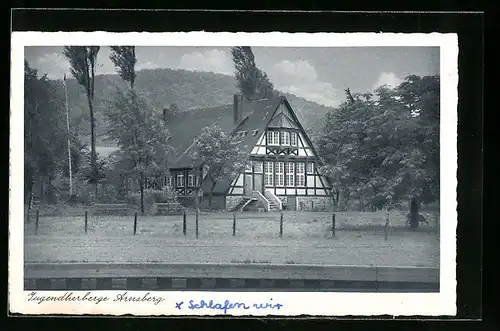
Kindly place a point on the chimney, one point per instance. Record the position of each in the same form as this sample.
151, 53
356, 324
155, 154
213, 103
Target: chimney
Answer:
237, 108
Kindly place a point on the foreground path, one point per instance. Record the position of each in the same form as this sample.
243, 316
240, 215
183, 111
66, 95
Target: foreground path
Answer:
415, 249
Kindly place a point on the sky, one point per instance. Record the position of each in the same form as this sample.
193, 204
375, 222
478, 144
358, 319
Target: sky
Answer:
315, 73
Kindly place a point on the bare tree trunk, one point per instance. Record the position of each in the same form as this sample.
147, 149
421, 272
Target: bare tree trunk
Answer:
141, 185
210, 195
414, 208
90, 97
42, 197
132, 76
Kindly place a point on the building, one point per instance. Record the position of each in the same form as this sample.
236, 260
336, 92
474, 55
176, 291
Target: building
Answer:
283, 168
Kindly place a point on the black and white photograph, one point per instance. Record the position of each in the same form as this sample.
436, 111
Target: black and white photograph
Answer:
183, 176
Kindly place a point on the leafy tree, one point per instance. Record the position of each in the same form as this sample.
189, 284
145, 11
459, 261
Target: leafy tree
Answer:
141, 136
383, 148
219, 154
44, 132
123, 57
252, 82
82, 60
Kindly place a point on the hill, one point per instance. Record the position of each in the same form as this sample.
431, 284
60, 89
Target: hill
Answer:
189, 90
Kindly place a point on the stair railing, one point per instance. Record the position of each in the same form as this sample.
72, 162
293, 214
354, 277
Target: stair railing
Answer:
263, 199
276, 199
245, 204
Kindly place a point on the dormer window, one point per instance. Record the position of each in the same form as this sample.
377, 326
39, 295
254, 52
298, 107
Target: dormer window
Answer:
240, 134
255, 132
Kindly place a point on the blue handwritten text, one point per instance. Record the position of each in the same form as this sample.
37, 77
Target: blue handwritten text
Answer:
228, 305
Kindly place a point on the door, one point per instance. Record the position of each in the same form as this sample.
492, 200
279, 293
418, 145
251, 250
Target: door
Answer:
248, 186
291, 203
258, 183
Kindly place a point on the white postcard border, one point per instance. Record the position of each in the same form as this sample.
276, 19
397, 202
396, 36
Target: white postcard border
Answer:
300, 303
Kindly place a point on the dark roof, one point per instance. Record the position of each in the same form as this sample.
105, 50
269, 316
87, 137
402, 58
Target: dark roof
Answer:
261, 114
185, 126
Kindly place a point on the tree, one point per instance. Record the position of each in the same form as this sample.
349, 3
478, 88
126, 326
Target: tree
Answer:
219, 154
252, 82
123, 57
44, 132
82, 60
383, 148
141, 136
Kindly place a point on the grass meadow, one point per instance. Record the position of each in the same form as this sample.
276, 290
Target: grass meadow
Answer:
307, 239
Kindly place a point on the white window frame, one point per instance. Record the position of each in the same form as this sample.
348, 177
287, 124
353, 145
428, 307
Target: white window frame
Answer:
190, 180
300, 177
258, 168
280, 173
285, 138
293, 136
248, 167
310, 168
269, 175
181, 177
273, 138
290, 174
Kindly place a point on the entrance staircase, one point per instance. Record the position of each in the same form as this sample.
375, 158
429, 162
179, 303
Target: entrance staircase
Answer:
257, 203
242, 203
273, 206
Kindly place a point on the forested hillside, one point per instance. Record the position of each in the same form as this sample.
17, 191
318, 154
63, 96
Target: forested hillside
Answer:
187, 89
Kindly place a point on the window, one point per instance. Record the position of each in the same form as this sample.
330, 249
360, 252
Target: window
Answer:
180, 181
248, 167
280, 178
170, 181
273, 138
257, 167
290, 174
310, 168
285, 137
197, 181
191, 180
268, 178
299, 175
149, 184
293, 139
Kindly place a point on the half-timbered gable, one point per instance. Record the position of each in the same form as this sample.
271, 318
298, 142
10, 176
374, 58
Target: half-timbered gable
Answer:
282, 168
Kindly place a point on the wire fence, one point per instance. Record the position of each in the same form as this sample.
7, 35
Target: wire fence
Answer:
196, 224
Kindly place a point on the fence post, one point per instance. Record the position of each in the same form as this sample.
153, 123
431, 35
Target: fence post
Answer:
184, 222
333, 225
281, 225
386, 226
312, 205
135, 223
197, 215
36, 222
234, 224
86, 217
